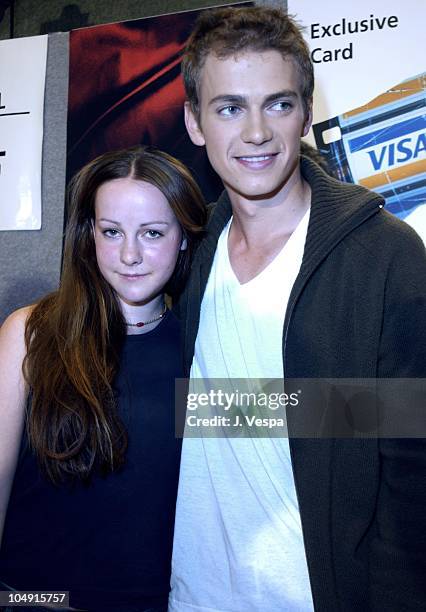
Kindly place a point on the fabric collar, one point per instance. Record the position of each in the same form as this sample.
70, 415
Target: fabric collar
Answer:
336, 209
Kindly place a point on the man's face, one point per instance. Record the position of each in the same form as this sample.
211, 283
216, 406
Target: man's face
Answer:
251, 120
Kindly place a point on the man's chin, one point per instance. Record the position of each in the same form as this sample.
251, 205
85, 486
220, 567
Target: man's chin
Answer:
260, 192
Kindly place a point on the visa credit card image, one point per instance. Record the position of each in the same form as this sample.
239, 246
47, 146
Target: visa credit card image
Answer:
382, 145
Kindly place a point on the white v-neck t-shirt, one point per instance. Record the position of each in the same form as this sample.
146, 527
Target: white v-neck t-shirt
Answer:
238, 543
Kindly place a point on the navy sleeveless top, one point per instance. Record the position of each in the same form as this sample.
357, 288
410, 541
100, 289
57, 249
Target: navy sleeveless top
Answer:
109, 542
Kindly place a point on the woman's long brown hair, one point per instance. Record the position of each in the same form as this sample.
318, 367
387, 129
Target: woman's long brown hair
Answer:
74, 335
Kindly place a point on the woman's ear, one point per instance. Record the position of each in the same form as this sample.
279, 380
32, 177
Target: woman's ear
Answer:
183, 243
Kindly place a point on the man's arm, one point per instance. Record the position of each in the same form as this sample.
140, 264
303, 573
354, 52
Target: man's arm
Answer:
398, 559
403, 340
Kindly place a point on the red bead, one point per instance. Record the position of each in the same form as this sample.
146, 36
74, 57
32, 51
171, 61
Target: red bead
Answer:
140, 324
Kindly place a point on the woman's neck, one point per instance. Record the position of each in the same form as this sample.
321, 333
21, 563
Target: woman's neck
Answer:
140, 319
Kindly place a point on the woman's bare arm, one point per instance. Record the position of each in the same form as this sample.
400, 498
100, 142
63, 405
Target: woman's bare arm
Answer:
13, 395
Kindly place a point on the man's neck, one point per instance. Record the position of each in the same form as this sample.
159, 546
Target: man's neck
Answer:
274, 216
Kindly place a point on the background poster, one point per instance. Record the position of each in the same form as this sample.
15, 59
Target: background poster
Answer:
370, 96
22, 81
126, 89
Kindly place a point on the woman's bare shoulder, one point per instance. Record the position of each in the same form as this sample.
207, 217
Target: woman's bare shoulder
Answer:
16, 321
12, 335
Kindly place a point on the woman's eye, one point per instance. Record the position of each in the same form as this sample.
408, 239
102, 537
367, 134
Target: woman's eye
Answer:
110, 232
153, 234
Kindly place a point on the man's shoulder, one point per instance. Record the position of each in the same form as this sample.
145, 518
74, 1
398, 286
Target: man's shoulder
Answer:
218, 215
353, 206
327, 189
386, 232
210, 209
223, 202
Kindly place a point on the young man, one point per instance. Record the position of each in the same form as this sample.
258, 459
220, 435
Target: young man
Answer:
299, 276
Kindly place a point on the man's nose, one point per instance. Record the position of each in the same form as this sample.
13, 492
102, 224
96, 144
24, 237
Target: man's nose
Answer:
256, 128
131, 252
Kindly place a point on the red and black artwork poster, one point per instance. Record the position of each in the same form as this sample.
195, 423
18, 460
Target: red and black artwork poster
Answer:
125, 89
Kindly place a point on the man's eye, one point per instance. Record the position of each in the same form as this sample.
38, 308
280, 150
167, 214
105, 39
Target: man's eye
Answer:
229, 111
281, 106
153, 234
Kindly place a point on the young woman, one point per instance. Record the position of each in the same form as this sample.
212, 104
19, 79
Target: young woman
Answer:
88, 456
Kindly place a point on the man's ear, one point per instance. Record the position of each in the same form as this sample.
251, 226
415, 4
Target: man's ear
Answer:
193, 127
308, 120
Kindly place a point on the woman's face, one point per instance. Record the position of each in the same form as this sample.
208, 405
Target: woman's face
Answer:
137, 239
